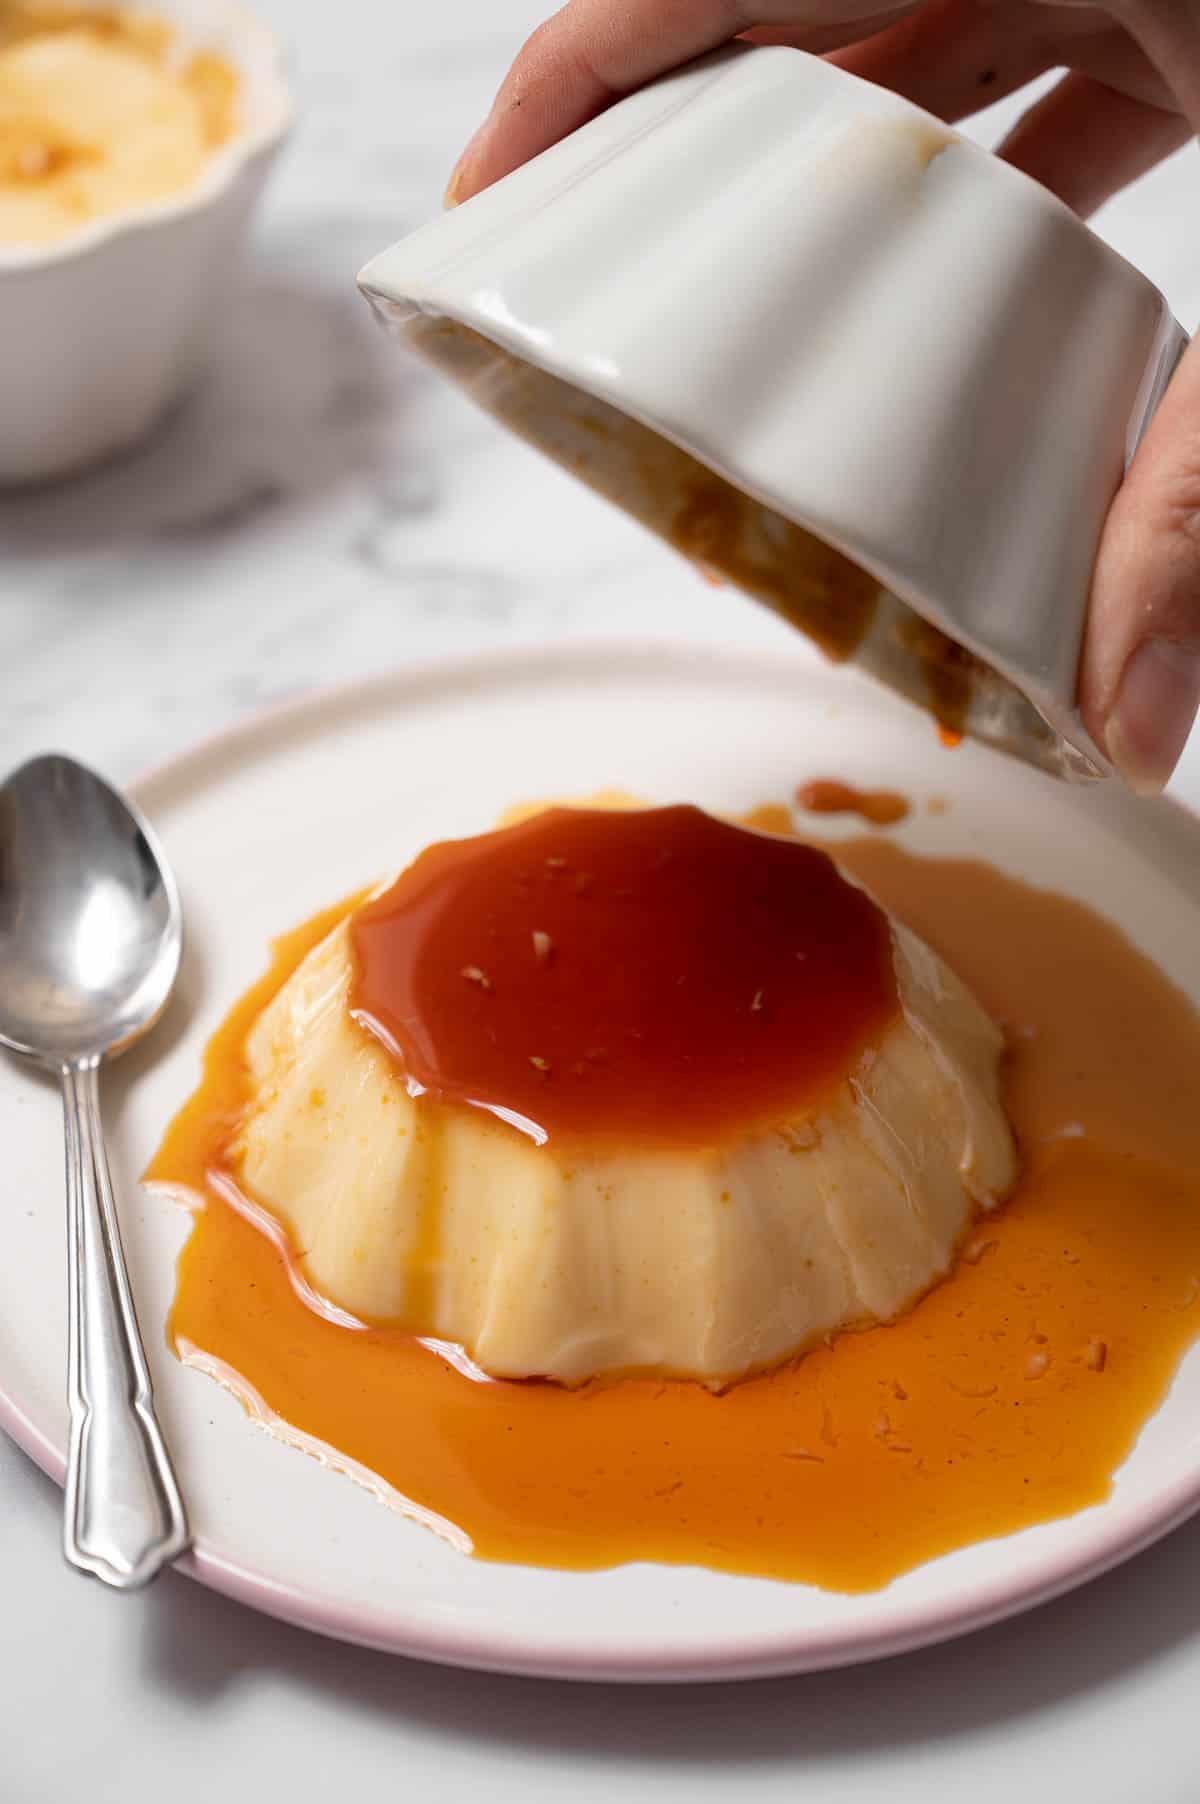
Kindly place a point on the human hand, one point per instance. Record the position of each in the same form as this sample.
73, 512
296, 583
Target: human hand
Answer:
1129, 97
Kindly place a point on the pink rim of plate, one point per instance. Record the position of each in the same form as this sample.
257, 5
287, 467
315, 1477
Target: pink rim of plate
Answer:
760, 1656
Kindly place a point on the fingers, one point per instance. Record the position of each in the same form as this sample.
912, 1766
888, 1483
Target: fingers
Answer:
1140, 676
955, 56
1085, 141
1169, 34
820, 39
949, 56
592, 52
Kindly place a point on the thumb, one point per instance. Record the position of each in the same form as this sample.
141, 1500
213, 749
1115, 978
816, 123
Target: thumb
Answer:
1139, 683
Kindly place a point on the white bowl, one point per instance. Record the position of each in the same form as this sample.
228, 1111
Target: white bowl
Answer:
765, 268
101, 331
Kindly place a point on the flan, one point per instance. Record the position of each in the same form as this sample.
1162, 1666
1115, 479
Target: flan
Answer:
614, 1091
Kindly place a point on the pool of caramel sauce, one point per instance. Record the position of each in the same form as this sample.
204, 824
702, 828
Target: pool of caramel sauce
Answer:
829, 795
1007, 1396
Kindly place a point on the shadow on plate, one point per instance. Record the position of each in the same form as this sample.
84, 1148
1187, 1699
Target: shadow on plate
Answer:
198, 1644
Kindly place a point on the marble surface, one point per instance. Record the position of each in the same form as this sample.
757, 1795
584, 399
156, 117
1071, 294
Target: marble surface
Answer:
316, 510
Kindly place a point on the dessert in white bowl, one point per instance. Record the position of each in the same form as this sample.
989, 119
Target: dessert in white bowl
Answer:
100, 112
133, 147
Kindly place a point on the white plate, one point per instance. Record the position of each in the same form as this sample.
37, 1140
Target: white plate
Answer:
296, 808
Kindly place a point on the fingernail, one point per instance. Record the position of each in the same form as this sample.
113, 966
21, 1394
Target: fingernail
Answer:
458, 176
1156, 705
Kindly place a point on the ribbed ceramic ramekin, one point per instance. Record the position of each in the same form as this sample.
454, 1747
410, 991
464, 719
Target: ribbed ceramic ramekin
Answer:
101, 331
773, 310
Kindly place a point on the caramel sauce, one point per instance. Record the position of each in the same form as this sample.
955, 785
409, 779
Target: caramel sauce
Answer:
825, 795
658, 977
949, 672
1008, 1396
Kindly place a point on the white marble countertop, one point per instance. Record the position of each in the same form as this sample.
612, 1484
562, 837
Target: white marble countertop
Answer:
320, 509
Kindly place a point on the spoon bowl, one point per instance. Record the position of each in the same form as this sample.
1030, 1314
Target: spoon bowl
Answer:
90, 921
90, 940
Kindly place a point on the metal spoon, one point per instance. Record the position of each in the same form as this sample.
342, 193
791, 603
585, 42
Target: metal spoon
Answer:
90, 938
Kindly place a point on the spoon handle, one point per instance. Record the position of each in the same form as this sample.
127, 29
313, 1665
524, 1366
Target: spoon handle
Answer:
124, 1515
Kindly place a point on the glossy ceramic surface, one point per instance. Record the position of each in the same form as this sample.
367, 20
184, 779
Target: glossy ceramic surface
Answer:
858, 318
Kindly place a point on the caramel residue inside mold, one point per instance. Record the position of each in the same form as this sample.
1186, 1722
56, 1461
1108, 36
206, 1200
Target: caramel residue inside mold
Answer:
731, 537
726, 533
949, 672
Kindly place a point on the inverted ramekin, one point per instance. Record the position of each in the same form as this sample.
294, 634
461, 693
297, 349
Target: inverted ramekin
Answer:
101, 331
762, 300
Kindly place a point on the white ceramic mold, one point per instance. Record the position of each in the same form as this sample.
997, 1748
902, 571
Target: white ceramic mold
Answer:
763, 295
